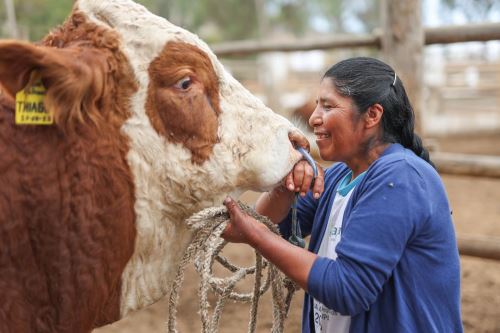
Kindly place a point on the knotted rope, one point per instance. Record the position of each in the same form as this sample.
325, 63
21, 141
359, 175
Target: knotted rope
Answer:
204, 249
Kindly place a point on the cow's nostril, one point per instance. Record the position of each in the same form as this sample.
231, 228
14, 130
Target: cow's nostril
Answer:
298, 140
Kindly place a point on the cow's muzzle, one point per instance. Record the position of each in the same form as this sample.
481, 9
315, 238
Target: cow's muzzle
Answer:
298, 140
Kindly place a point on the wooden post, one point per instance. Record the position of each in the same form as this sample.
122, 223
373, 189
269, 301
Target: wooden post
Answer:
402, 47
262, 22
11, 19
265, 77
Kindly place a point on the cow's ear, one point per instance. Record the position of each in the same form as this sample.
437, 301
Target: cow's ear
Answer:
17, 61
69, 75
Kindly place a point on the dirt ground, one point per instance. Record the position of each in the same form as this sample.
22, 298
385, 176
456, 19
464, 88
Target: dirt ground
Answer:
476, 211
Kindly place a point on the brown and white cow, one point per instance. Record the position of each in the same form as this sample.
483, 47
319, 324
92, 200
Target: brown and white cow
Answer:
149, 128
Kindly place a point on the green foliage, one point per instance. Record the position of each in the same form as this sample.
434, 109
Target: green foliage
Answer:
233, 19
214, 20
331, 11
290, 16
36, 17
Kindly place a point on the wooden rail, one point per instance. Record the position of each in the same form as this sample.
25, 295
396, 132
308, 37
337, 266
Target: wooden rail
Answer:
467, 164
245, 47
462, 33
441, 35
479, 246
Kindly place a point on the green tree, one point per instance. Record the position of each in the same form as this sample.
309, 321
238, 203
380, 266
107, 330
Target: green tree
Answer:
215, 20
290, 15
233, 19
36, 17
329, 11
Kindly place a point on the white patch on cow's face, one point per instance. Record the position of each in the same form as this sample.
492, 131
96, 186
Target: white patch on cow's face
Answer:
254, 152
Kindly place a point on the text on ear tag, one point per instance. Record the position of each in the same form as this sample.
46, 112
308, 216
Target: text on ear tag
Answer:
30, 109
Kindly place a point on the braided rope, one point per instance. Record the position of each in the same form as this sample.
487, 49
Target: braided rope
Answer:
204, 249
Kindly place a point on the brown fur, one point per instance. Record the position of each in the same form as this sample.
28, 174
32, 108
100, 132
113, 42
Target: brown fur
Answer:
186, 116
67, 194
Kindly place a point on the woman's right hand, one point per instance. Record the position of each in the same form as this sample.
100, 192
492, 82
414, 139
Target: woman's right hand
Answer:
276, 203
301, 178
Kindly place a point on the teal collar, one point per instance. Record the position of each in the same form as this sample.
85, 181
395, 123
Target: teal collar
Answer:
346, 185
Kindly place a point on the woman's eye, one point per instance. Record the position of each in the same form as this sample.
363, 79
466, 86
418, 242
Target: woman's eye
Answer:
184, 83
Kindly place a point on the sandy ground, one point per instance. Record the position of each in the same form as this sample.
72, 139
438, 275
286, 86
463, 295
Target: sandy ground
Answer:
476, 211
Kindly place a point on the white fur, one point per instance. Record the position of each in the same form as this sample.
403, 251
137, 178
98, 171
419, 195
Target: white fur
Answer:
254, 153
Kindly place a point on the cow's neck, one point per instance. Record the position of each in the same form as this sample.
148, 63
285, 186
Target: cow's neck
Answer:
166, 194
161, 242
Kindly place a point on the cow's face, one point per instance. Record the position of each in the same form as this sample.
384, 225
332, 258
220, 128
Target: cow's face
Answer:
191, 114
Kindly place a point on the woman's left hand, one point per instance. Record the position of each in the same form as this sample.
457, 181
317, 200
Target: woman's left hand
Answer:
242, 227
292, 260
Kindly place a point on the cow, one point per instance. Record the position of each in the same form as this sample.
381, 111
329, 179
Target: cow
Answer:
146, 128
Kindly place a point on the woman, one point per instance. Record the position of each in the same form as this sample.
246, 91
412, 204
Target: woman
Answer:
382, 254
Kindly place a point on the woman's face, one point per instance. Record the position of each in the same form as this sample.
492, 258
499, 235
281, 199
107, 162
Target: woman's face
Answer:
337, 125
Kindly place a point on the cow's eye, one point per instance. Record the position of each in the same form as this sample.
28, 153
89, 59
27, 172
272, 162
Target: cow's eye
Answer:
184, 83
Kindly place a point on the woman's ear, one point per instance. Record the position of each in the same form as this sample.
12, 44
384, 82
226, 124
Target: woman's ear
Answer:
374, 114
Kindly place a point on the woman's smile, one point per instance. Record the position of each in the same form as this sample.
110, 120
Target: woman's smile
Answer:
320, 135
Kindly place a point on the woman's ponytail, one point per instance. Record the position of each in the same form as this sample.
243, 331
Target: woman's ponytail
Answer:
415, 144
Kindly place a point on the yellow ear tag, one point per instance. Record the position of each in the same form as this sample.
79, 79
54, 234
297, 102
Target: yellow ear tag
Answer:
30, 109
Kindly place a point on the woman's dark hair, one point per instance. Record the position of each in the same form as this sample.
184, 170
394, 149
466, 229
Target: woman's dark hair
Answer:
369, 81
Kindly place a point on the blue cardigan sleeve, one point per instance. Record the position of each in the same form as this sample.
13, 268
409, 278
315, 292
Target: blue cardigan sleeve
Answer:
384, 213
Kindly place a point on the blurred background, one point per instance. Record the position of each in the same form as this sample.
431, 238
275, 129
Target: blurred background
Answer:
446, 51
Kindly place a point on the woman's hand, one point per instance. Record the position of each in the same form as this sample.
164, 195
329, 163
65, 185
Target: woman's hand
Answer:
276, 203
300, 179
242, 227
294, 261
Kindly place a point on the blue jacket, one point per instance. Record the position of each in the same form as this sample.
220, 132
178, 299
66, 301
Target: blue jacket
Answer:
398, 266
